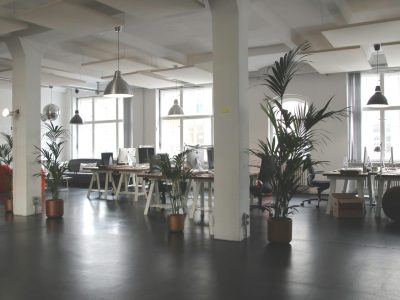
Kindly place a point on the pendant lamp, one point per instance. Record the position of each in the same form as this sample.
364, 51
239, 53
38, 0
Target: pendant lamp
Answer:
50, 111
76, 119
117, 87
377, 99
175, 109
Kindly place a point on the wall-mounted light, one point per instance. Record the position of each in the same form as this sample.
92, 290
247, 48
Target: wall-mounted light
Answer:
7, 113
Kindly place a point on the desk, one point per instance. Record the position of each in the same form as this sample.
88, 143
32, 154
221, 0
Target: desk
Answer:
153, 177
334, 176
128, 172
388, 177
96, 177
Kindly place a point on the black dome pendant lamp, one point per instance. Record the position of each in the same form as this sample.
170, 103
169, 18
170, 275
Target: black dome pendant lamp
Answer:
377, 99
76, 119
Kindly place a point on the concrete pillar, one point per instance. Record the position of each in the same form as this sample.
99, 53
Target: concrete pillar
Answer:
230, 61
26, 127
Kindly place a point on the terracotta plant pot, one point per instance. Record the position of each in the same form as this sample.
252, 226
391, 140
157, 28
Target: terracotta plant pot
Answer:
55, 208
8, 205
176, 222
280, 230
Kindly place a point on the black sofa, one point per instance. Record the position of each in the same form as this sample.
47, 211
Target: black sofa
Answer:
81, 179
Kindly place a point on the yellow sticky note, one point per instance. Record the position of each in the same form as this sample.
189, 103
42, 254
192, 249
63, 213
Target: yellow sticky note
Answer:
224, 109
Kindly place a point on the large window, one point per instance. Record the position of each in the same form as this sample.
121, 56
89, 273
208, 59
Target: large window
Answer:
102, 128
194, 127
292, 103
380, 126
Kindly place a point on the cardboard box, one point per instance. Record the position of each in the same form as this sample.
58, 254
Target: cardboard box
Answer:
347, 206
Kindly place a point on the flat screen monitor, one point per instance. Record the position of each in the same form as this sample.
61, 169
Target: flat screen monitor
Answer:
155, 161
210, 158
196, 158
107, 158
126, 156
145, 153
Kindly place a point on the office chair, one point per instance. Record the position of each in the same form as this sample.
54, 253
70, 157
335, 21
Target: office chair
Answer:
321, 185
263, 185
163, 187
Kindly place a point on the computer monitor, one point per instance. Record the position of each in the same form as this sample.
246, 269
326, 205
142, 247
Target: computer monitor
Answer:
126, 155
196, 158
107, 158
155, 161
210, 158
145, 153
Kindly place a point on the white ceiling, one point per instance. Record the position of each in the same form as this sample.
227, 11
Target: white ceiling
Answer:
165, 41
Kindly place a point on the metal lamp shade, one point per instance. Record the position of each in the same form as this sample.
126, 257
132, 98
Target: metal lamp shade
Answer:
117, 87
175, 109
76, 119
377, 99
51, 112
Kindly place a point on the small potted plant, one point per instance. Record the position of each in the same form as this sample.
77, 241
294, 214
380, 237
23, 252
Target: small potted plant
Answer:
49, 158
295, 137
6, 172
176, 172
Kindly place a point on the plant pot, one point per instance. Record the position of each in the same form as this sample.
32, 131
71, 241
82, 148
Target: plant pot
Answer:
8, 205
280, 230
176, 222
54, 208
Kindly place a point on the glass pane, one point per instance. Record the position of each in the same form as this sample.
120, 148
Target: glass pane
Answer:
392, 129
197, 131
105, 109
167, 100
371, 133
85, 141
121, 108
368, 84
85, 109
120, 135
392, 87
170, 137
105, 139
197, 101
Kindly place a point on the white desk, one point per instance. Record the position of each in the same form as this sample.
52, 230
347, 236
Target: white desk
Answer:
128, 172
96, 171
334, 176
153, 187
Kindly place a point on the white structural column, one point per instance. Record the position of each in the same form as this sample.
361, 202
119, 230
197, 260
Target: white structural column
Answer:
230, 63
26, 127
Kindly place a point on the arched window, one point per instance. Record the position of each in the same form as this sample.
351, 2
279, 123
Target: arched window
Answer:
290, 102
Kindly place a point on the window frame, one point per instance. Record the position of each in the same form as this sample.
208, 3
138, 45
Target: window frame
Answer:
382, 115
117, 121
183, 117
301, 99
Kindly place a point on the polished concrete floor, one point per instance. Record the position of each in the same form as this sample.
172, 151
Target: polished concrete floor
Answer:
109, 250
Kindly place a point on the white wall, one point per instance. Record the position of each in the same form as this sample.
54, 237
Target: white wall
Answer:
61, 97
318, 88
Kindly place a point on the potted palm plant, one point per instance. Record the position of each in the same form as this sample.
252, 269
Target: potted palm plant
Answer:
295, 137
6, 172
176, 172
49, 158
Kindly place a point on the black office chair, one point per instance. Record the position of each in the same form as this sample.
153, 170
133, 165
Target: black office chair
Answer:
163, 187
321, 185
263, 185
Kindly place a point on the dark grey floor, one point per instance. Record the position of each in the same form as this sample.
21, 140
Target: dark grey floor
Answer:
107, 250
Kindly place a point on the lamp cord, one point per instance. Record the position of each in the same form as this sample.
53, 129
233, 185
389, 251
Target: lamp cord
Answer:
118, 48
